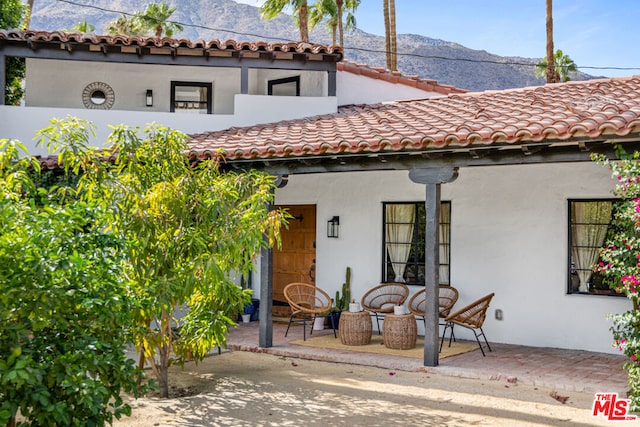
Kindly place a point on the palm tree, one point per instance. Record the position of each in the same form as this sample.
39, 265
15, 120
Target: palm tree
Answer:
550, 71
563, 66
125, 26
389, 7
335, 10
155, 18
83, 27
27, 18
325, 9
272, 8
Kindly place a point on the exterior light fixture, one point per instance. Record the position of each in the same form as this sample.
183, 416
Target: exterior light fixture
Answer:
149, 98
333, 226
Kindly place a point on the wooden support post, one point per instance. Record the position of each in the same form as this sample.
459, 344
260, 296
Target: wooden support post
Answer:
432, 178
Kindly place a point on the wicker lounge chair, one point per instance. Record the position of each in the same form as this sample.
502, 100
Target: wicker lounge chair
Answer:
307, 302
471, 317
381, 299
447, 297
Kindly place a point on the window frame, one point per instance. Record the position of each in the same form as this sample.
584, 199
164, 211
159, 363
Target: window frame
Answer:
570, 268
175, 84
418, 227
285, 80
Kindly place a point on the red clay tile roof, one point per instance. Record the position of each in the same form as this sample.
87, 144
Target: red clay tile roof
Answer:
397, 77
587, 110
211, 46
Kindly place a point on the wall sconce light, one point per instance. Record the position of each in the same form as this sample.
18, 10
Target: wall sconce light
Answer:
149, 98
333, 226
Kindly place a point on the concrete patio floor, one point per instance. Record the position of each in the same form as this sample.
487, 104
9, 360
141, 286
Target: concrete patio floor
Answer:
552, 368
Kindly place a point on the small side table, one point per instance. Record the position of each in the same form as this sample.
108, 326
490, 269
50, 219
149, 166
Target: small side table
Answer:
399, 332
355, 328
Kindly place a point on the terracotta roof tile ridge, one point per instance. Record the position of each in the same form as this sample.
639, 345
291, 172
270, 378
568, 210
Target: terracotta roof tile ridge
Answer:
397, 77
92, 38
548, 86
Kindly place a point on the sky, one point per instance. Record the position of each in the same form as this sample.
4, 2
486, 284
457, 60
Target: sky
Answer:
594, 33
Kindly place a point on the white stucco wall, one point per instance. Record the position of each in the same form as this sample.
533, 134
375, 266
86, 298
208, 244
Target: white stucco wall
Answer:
56, 83
355, 89
509, 236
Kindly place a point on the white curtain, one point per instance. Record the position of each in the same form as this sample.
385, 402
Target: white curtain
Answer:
399, 234
203, 101
445, 224
589, 224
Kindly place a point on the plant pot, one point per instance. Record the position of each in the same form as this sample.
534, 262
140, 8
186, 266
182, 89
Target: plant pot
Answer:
335, 317
318, 324
246, 318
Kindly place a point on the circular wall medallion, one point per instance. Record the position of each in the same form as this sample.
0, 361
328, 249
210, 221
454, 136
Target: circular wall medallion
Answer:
98, 96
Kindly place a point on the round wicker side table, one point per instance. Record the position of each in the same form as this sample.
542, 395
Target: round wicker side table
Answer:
399, 332
355, 328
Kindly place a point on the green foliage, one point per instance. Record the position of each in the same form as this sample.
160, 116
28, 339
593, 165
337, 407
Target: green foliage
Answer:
187, 227
621, 263
272, 8
62, 342
83, 27
564, 66
12, 15
155, 18
342, 302
125, 26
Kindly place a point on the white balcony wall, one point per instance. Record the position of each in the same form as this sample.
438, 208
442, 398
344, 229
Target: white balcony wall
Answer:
22, 123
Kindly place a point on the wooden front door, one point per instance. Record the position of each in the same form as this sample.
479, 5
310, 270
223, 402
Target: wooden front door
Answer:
295, 260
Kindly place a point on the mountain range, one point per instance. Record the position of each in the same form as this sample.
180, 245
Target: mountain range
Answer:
446, 62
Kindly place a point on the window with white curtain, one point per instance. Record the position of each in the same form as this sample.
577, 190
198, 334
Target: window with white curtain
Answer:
403, 242
590, 226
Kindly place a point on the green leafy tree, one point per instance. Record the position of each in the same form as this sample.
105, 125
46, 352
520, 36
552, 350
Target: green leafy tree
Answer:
563, 67
621, 264
12, 15
62, 342
188, 226
272, 8
155, 18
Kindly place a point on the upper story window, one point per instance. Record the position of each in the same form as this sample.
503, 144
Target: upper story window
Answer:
191, 97
289, 86
590, 227
403, 241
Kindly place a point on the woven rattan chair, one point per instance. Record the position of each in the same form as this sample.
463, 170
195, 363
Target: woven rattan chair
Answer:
447, 297
380, 300
471, 317
307, 302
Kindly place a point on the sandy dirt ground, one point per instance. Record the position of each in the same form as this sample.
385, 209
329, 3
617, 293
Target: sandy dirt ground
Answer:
249, 389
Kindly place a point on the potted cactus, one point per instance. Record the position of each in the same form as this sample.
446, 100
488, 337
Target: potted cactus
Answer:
341, 302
